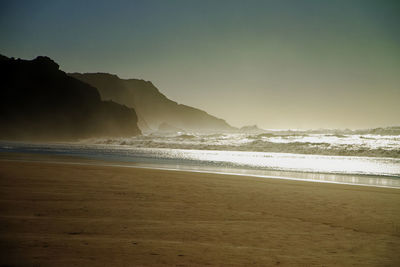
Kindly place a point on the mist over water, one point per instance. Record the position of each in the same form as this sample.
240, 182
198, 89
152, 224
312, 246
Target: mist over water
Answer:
301, 142
353, 158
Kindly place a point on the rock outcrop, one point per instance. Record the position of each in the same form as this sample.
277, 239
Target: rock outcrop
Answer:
41, 102
153, 108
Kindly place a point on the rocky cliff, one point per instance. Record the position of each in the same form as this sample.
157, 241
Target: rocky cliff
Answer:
41, 102
153, 108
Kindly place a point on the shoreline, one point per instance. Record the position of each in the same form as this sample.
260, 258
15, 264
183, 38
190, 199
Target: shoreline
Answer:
287, 175
108, 164
88, 215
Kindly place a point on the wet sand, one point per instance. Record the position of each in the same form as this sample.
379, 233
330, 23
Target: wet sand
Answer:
77, 215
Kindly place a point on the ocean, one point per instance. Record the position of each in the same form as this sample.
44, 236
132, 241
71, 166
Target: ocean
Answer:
359, 158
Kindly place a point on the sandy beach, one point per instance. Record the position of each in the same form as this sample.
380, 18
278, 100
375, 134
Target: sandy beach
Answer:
85, 215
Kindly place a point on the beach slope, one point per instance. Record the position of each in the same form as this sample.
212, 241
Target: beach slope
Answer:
85, 215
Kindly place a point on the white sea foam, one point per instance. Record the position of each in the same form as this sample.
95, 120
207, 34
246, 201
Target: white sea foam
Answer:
369, 153
375, 171
345, 144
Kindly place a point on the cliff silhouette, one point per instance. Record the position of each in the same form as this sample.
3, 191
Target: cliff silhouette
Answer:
41, 102
153, 108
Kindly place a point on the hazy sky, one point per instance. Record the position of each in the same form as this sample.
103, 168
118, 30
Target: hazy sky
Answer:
277, 64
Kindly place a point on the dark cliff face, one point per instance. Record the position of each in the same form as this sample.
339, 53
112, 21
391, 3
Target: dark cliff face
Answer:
153, 108
41, 102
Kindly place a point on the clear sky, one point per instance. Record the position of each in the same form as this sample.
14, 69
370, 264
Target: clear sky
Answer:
277, 64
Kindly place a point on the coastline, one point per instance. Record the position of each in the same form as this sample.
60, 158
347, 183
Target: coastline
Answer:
60, 214
152, 162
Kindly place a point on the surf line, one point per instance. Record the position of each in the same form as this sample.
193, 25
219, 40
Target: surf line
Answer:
195, 171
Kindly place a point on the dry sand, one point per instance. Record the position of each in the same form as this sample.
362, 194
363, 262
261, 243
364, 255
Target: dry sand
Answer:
66, 215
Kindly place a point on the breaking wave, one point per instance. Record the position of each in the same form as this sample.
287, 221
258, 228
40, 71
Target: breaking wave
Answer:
341, 144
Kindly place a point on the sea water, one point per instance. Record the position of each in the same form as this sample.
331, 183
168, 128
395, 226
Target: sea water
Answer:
356, 158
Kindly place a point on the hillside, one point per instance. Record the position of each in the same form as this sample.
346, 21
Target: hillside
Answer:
152, 107
41, 102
